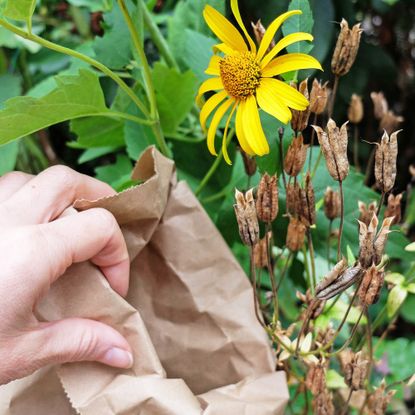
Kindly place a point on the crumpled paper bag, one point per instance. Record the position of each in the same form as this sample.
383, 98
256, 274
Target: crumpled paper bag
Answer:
189, 317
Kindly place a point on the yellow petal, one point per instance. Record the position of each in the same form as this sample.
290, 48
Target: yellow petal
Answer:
224, 29
272, 29
253, 128
214, 68
222, 47
240, 131
235, 11
212, 84
210, 105
269, 101
290, 62
286, 93
215, 123
225, 135
283, 43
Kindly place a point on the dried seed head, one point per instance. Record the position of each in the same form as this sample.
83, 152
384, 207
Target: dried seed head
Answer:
332, 204
380, 105
267, 198
393, 208
299, 119
355, 111
334, 147
261, 252
296, 156
381, 239
366, 212
259, 32
367, 235
249, 163
319, 96
346, 49
390, 122
323, 403
316, 378
314, 307
379, 400
307, 207
292, 200
295, 234
385, 162
246, 217
325, 336
355, 367
371, 285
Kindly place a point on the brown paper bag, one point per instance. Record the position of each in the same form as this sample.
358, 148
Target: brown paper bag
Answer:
189, 318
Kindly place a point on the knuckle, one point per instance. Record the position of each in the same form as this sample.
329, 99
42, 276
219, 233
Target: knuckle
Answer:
14, 177
86, 346
65, 176
105, 218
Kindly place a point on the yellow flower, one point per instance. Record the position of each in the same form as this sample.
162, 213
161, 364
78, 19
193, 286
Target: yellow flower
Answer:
244, 79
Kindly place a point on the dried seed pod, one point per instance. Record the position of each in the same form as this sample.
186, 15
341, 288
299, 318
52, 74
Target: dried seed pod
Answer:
319, 96
332, 204
314, 307
296, 156
259, 32
367, 235
355, 367
316, 378
267, 198
385, 162
390, 122
393, 208
295, 234
379, 400
346, 49
292, 200
380, 105
355, 111
307, 208
325, 336
334, 147
299, 119
249, 163
366, 211
339, 279
246, 217
261, 252
323, 403
381, 239
371, 285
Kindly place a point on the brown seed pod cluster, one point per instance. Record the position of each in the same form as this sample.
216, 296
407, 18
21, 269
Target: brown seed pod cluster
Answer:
315, 380
355, 110
385, 162
371, 286
379, 400
246, 216
307, 206
354, 367
296, 156
292, 200
295, 234
299, 121
334, 147
323, 403
366, 211
346, 49
393, 209
267, 198
319, 96
332, 204
261, 252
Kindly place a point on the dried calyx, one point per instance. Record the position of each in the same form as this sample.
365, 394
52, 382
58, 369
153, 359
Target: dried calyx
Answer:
299, 120
323, 403
246, 216
259, 32
267, 198
307, 206
371, 286
332, 204
319, 96
296, 156
379, 400
261, 252
313, 307
316, 377
295, 234
355, 367
366, 211
355, 111
393, 209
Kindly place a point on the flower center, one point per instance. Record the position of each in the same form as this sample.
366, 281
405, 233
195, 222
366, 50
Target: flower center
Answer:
240, 75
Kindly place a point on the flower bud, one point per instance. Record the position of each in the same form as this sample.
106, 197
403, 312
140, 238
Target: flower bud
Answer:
380, 105
346, 49
307, 207
259, 32
371, 286
393, 208
334, 147
295, 157
366, 211
385, 162
246, 217
319, 96
390, 122
355, 367
299, 119
355, 111
332, 204
267, 198
295, 234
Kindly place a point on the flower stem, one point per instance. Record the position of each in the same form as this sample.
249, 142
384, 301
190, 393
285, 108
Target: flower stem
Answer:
254, 286
312, 260
339, 245
333, 96
268, 236
356, 147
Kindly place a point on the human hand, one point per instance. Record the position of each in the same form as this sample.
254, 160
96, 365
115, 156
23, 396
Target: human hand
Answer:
40, 237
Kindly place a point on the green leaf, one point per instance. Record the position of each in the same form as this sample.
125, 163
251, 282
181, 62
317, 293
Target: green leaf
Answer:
411, 288
396, 298
19, 9
116, 175
335, 380
175, 93
94, 153
10, 87
98, 132
299, 23
351, 259
74, 97
395, 278
8, 157
93, 5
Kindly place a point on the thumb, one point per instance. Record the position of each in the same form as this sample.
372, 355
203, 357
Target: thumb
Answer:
76, 340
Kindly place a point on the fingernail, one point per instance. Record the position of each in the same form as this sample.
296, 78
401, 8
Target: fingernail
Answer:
118, 358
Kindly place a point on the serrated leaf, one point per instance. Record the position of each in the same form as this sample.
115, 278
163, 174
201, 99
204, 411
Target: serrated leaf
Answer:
74, 97
396, 298
175, 93
334, 380
299, 23
395, 278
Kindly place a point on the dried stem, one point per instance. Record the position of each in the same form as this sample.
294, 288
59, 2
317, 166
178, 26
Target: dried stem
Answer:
339, 246
328, 243
381, 202
356, 147
346, 404
254, 286
313, 135
369, 168
312, 261
268, 236
281, 144
333, 96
